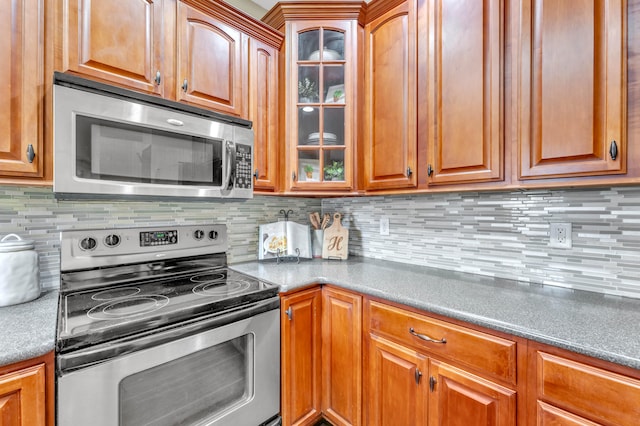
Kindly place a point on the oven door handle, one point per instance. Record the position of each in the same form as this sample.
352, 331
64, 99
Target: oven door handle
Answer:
98, 354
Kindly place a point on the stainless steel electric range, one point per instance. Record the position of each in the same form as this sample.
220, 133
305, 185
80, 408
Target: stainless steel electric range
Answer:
154, 329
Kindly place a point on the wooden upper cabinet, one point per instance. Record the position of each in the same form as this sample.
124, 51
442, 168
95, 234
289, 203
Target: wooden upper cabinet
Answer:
21, 91
22, 397
573, 88
465, 91
301, 344
390, 133
342, 357
459, 398
211, 69
117, 41
263, 112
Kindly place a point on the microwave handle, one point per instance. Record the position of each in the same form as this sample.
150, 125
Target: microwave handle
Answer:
231, 161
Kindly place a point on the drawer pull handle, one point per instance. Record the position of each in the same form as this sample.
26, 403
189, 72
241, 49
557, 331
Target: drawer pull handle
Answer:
426, 338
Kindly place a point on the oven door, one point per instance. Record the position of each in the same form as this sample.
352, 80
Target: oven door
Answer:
229, 375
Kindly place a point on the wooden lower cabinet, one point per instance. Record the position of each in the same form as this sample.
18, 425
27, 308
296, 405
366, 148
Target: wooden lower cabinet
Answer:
321, 357
397, 383
341, 356
571, 392
26, 393
459, 398
301, 357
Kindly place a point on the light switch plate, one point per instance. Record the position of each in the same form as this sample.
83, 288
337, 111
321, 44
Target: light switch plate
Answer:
384, 225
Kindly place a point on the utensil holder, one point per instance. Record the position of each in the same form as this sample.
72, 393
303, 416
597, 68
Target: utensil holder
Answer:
317, 237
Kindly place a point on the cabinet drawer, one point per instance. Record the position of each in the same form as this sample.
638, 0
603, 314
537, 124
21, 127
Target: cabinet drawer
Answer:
489, 354
588, 391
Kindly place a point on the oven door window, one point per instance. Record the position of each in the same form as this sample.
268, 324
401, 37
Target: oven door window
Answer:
202, 385
107, 150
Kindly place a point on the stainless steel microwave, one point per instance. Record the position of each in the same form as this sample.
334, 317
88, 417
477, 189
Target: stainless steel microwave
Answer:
113, 143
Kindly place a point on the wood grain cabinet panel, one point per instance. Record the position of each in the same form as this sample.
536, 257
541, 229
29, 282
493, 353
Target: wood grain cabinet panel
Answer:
22, 397
490, 354
465, 91
548, 415
397, 384
342, 357
21, 90
459, 398
587, 391
117, 41
390, 138
263, 112
301, 320
573, 88
211, 69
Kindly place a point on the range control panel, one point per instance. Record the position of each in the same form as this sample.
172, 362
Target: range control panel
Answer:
158, 238
80, 249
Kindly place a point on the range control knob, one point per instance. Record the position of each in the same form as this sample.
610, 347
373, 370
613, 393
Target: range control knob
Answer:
198, 234
112, 240
213, 235
88, 243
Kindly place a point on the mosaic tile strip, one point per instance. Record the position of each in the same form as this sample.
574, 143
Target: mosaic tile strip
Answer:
34, 213
507, 234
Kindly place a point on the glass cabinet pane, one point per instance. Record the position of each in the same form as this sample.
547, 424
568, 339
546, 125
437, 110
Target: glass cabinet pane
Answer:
308, 42
333, 87
309, 166
308, 125
308, 84
333, 129
333, 165
333, 45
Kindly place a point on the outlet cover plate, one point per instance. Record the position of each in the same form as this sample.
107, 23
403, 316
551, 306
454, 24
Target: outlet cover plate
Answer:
560, 235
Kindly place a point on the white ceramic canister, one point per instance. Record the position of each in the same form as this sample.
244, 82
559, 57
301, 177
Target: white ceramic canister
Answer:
19, 271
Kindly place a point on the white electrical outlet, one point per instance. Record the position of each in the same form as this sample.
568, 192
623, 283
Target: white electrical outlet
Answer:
560, 235
384, 225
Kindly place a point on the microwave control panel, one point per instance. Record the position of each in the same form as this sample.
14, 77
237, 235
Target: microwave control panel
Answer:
243, 175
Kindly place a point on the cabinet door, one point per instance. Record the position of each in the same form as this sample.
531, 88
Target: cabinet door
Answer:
21, 94
342, 357
322, 97
301, 357
22, 397
390, 140
572, 106
117, 41
465, 91
459, 398
263, 112
398, 385
210, 62
548, 415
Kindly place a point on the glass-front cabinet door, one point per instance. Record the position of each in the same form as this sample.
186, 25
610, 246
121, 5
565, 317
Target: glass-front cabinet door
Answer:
321, 104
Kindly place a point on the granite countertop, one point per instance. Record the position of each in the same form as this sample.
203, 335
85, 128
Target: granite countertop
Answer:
592, 324
28, 329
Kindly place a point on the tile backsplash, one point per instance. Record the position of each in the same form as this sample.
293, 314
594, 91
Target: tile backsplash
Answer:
506, 234
34, 213
502, 234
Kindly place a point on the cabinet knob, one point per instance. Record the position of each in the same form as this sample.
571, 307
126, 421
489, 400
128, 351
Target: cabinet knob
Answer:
158, 78
289, 313
256, 174
409, 171
293, 176
613, 150
31, 154
185, 85
429, 170
432, 383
